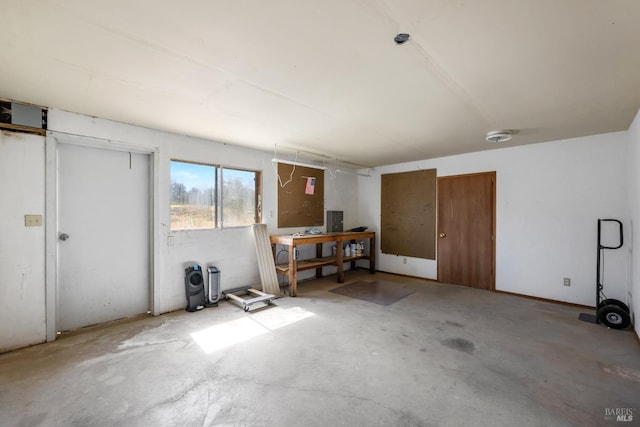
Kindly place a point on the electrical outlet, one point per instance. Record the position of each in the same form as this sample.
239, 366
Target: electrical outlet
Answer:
567, 281
404, 260
33, 220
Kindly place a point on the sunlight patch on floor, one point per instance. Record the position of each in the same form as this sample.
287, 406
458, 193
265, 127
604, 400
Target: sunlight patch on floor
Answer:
226, 334
278, 317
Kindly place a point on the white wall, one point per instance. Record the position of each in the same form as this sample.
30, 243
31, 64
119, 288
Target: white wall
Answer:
231, 250
22, 257
634, 201
549, 197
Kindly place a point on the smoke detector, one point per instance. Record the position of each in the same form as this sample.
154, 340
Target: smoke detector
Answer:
401, 38
498, 135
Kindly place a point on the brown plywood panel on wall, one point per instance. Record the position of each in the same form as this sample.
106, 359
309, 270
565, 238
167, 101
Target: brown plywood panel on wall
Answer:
300, 196
408, 214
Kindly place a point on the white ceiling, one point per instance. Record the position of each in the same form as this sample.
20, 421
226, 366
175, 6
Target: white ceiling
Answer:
326, 77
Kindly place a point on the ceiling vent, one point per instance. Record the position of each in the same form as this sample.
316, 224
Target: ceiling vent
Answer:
19, 117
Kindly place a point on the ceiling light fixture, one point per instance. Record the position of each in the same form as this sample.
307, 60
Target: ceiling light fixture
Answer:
498, 136
401, 38
297, 163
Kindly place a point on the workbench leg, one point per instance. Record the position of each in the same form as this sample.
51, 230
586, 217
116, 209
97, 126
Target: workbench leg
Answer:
318, 255
340, 262
293, 272
372, 255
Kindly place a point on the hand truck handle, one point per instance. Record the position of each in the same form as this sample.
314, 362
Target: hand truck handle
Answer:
601, 246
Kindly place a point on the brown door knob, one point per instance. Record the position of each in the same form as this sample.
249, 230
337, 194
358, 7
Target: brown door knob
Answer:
443, 235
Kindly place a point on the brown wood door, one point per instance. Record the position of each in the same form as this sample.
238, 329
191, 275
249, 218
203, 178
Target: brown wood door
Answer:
466, 230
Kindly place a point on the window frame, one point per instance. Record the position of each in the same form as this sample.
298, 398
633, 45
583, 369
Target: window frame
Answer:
257, 201
218, 188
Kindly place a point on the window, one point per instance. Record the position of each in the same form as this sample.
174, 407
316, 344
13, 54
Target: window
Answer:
239, 202
208, 196
193, 193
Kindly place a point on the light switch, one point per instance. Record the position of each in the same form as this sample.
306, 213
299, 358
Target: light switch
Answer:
33, 220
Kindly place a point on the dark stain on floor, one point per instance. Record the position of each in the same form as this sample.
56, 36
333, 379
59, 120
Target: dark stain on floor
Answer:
459, 344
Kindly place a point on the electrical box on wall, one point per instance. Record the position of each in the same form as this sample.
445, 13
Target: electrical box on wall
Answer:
334, 221
33, 220
20, 117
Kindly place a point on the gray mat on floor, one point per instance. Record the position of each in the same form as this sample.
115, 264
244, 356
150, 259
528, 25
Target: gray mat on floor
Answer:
378, 292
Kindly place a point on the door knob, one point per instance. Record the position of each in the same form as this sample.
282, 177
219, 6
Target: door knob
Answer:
443, 235
63, 236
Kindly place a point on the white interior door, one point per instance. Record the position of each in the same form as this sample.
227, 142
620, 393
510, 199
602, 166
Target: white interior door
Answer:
103, 235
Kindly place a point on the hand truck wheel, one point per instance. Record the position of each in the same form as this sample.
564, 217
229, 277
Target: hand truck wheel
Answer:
614, 317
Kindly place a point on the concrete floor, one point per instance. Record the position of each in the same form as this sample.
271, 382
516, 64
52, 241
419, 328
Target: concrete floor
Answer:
443, 356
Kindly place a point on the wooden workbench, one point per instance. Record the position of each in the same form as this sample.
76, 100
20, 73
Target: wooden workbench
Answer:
291, 268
